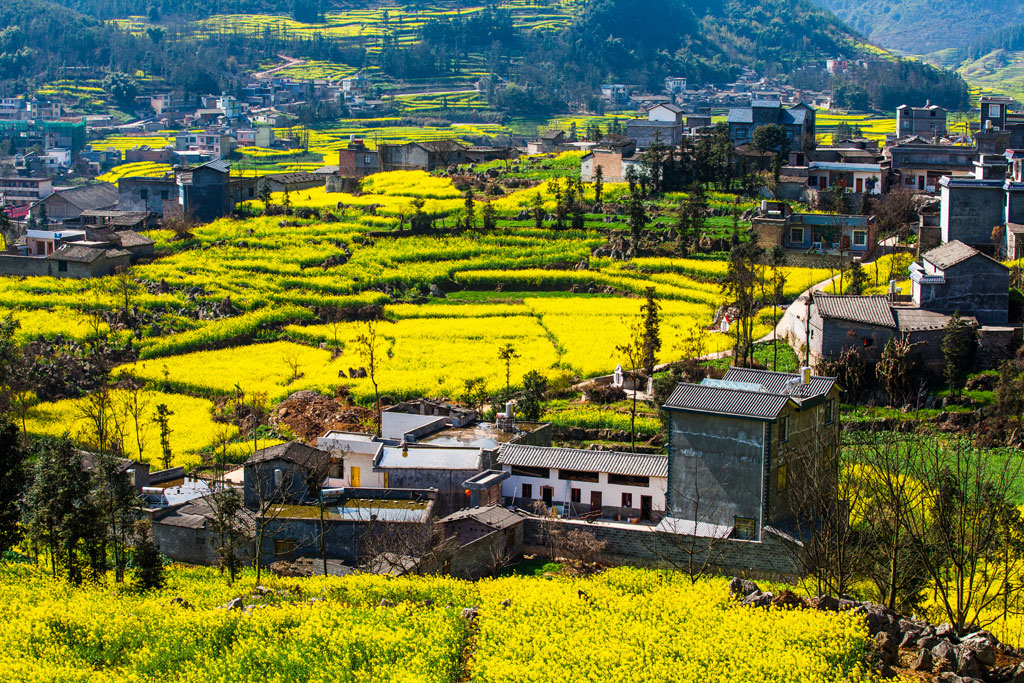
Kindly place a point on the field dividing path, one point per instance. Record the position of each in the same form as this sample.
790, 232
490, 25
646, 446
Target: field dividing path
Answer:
288, 61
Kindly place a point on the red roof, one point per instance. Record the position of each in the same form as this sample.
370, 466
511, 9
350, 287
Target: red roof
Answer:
17, 212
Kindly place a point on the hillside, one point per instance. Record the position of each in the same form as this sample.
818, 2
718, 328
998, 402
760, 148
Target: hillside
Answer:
922, 26
623, 625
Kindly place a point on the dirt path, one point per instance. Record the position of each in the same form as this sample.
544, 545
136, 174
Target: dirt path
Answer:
288, 61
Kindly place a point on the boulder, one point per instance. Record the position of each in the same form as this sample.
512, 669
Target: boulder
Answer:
927, 642
436, 291
968, 664
741, 588
384, 602
470, 613
826, 603
886, 646
910, 638
949, 677
945, 656
923, 661
758, 599
237, 603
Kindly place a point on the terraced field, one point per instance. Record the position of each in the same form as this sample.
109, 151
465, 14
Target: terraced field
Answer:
515, 285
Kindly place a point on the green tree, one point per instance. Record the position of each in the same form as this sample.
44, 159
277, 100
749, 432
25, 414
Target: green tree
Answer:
59, 511
121, 87
114, 498
531, 405
149, 563
162, 419
13, 479
637, 220
742, 281
691, 218
10, 359
469, 212
649, 311
598, 184
958, 346
507, 354
489, 215
537, 208
858, 279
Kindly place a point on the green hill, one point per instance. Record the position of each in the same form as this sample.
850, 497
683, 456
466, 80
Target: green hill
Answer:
922, 26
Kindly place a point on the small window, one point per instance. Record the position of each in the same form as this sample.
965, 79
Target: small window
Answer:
578, 475
284, 550
528, 491
629, 480
627, 500
784, 430
62, 266
868, 341
144, 194
860, 238
744, 528
781, 477
994, 111
164, 194
796, 235
574, 495
524, 471
830, 411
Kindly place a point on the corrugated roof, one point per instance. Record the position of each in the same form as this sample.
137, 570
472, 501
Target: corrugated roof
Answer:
708, 399
872, 310
776, 382
612, 462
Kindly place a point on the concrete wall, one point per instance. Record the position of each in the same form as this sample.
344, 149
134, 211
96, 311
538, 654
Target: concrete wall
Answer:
968, 214
977, 286
829, 338
130, 197
715, 467
208, 197
30, 266
638, 545
450, 494
475, 558
184, 544
295, 484
344, 539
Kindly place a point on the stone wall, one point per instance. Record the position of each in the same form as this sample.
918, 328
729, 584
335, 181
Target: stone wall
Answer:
771, 557
476, 558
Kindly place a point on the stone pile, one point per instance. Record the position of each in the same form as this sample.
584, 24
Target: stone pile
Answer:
914, 645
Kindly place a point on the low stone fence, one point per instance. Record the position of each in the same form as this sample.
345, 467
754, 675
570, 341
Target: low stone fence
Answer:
773, 556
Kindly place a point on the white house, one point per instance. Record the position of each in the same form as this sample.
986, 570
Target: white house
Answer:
358, 452
580, 482
665, 113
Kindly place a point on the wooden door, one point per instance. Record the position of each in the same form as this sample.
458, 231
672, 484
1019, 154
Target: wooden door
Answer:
860, 185
356, 477
596, 503
547, 494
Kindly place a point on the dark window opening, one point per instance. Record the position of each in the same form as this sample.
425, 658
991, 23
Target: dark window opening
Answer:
523, 471
868, 341
144, 194
744, 528
528, 491
627, 500
628, 480
574, 495
578, 475
62, 266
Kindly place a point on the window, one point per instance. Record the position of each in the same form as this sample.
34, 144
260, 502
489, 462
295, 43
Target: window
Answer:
812, 181
909, 180
144, 194
781, 477
744, 528
387, 480
796, 235
994, 111
523, 471
528, 491
868, 341
830, 411
860, 238
578, 475
784, 430
163, 194
629, 480
627, 500
284, 550
574, 495
62, 266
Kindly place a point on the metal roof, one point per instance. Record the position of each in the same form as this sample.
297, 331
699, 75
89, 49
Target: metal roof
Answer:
719, 401
612, 462
872, 310
776, 382
95, 196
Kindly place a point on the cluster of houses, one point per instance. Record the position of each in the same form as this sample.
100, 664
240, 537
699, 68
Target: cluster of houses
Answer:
738, 448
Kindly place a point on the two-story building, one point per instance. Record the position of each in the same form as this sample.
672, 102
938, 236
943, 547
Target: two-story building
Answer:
927, 121
798, 122
739, 447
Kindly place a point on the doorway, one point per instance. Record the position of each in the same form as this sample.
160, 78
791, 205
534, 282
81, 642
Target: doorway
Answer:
547, 493
596, 503
646, 508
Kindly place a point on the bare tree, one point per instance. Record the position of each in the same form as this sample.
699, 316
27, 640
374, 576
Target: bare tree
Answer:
232, 525
368, 344
962, 527
270, 494
634, 352
391, 547
578, 548
134, 402
125, 288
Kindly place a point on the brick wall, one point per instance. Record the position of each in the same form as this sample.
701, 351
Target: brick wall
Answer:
642, 546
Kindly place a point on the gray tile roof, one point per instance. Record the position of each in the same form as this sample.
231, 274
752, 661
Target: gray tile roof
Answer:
440, 145
872, 310
952, 253
722, 401
916, 319
612, 462
70, 252
293, 452
741, 115
95, 196
493, 516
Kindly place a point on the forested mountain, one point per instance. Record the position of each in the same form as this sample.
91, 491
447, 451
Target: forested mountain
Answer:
631, 41
922, 26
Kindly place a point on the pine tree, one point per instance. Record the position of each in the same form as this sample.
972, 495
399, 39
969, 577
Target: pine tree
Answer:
958, 346
12, 484
652, 330
598, 184
149, 563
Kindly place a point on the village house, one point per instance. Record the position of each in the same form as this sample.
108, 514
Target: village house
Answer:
958, 278
614, 156
290, 182
184, 532
826, 234
927, 121
421, 156
919, 164
550, 141
740, 446
62, 253
486, 538
69, 203
19, 191
797, 121
357, 160
217, 143
855, 177
587, 483
996, 114
664, 126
